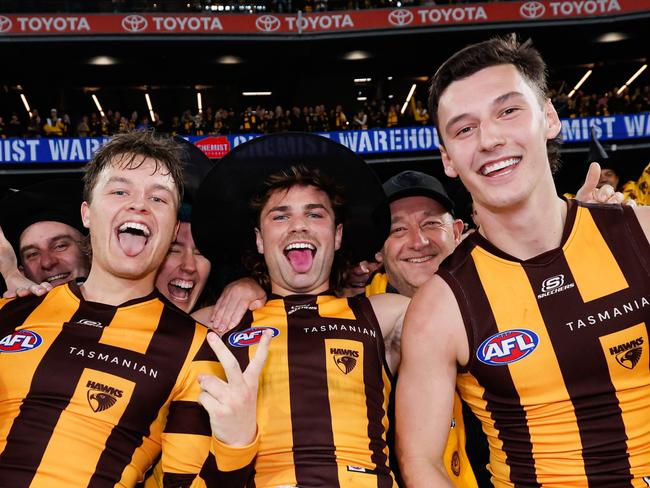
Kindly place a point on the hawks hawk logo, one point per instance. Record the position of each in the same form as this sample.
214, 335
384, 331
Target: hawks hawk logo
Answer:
628, 354
345, 359
102, 397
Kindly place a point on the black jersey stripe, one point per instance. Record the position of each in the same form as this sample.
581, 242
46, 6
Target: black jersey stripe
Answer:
187, 418
374, 392
517, 444
310, 409
33, 427
616, 471
18, 309
172, 339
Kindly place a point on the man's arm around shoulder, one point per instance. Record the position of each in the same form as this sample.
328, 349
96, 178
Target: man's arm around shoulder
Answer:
433, 342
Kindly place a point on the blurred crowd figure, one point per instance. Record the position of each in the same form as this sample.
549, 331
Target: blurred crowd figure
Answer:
313, 118
197, 6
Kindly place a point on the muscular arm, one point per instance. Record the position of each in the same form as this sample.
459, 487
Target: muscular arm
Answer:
433, 342
390, 310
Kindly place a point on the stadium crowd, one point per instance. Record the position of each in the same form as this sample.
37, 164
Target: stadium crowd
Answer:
111, 382
316, 118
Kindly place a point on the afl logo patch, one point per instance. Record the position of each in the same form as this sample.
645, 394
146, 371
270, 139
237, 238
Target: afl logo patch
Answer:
20, 341
249, 337
507, 347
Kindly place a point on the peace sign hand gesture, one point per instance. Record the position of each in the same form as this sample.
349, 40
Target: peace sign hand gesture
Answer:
232, 404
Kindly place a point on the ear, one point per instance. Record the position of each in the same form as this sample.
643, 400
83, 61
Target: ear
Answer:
458, 226
85, 214
447, 163
553, 123
379, 256
338, 237
178, 226
259, 242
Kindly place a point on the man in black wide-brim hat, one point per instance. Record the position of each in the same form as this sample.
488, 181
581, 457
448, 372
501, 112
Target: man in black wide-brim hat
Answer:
301, 201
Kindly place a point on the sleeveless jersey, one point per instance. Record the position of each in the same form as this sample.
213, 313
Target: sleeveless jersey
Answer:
323, 393
559, 363
90, 394
457, 464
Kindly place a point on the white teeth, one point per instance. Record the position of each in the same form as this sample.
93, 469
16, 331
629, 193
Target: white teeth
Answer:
137, 226
187, 285
56, 277
490, 168
423, 259
300, 245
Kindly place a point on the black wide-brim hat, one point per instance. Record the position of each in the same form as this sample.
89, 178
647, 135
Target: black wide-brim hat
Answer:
57, 200
195, 166
223, 223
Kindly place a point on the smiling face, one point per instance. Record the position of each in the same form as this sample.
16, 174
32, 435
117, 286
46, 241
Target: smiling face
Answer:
184, 273
495, 131
423, 233
132, 219
298, 237
51, 251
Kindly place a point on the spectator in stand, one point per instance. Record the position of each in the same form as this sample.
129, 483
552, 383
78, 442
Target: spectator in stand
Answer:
208, 119
175, 128
83, 129
339, 118
360, 121
280, 121
14, 126
249, 120
53, 126
34, 127
420, 114
95, 125
392, 118
3, 129
306, 116
133, 121
296, 121
187, 124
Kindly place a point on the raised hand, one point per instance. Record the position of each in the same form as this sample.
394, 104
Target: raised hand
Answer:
232, 404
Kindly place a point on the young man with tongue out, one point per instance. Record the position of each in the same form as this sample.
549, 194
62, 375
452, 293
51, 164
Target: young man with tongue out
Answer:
541, 317
100, 379
322, 403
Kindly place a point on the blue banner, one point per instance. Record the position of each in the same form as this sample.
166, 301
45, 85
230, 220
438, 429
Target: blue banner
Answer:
373, 141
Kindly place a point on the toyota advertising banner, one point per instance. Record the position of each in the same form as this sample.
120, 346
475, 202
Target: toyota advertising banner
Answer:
314, 23
363, 142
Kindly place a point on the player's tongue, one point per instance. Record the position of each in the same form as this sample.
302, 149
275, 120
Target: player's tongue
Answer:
300, 259
132, 244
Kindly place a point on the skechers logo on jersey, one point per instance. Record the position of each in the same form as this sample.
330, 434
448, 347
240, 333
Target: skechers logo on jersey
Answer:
102, 397
345, 359
628, 354
20, 341
295, 308
507, 347
89, 323
249, 337
554, 284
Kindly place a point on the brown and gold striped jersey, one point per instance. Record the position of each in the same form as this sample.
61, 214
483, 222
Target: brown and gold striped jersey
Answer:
90, 394
559, 356
323, 393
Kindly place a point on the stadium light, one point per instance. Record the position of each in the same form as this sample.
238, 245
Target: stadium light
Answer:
362, 99
356, 55
26, 104
150, 107
408, 99
362, 80
632, 78
579, 84
199, 102
256, 94
99, 107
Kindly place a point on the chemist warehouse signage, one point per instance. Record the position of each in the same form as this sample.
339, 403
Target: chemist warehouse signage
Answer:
314, 23
374, 141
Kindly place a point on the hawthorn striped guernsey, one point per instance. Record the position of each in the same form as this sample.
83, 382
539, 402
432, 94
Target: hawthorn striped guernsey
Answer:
91, 394
559, 369
323, 393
